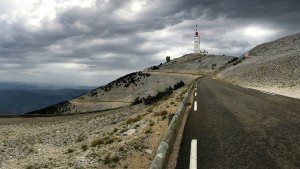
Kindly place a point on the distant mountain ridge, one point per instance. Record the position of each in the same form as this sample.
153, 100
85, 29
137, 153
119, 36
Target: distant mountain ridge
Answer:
38, 86
20, 101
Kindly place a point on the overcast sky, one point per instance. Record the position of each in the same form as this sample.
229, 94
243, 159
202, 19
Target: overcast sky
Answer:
91, 42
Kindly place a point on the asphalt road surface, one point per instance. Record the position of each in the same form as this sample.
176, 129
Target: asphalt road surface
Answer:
233, 127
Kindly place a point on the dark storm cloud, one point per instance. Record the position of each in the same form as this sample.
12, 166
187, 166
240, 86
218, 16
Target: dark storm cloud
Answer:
109, 35
242, 8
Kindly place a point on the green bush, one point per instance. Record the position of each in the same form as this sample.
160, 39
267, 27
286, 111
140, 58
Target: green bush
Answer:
107, 159
152, 124
70, 151
115, 159
29, 167
148, 131
80, 138
132, 120
163, 113
105, 140
84, 147
97, 141
121, 149
109, 141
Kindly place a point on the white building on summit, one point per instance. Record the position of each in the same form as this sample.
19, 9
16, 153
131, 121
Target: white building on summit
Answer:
196, 42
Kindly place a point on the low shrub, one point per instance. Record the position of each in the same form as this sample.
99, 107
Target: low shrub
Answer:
107, 159
115, 159
132, 120
97, 141
163, 113
29, 167
70, 151
148, 131
80, 138
105, 140
152, 124
84, 147
121, 149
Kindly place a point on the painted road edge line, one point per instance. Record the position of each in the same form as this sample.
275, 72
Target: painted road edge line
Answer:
193, 156
195, 93
195, 105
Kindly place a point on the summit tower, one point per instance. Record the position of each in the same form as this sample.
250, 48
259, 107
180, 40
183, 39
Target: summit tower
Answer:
196, 42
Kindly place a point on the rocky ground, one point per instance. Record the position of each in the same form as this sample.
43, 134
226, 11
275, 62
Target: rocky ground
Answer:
121, 138
272, 67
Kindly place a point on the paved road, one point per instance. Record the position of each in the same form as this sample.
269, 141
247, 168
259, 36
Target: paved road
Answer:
240, 128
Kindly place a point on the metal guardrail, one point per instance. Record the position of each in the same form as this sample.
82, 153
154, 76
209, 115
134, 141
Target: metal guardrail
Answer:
164, 148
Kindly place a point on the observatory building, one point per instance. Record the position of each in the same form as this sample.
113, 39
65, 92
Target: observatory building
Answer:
196, 42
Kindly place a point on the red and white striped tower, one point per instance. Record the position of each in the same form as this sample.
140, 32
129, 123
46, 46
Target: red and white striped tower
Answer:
196, 42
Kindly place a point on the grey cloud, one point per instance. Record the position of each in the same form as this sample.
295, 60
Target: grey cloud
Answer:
68, 38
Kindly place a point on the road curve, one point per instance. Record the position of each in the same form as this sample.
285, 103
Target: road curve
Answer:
241, 128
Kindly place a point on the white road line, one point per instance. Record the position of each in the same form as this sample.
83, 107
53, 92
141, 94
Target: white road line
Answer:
195, 93
195, 105
193, 157
273, 94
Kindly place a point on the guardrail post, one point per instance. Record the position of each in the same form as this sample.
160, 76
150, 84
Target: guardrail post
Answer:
170, 117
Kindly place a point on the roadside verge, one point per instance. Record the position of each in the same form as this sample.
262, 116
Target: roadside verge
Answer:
163, 151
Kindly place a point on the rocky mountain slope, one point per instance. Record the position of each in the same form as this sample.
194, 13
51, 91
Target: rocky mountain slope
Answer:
144, 86
123, 138
272, 66
131, 89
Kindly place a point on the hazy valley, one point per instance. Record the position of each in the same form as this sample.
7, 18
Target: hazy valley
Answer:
16, 98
